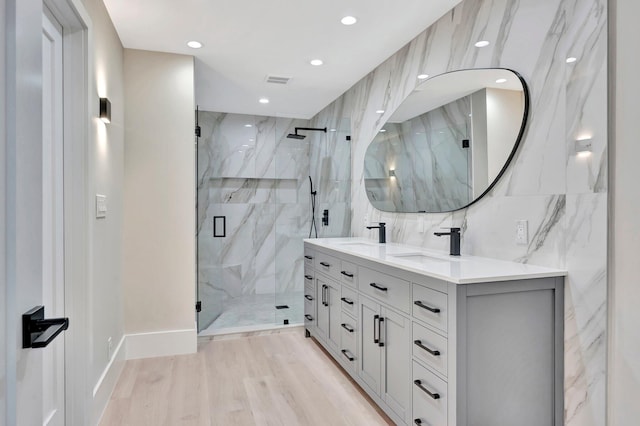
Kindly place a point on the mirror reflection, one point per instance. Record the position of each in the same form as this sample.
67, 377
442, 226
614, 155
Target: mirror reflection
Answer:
448, 143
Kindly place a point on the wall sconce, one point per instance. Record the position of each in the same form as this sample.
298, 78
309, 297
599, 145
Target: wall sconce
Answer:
105, 110
583, 147
392, 173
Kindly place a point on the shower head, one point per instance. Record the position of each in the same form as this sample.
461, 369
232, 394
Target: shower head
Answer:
297, 136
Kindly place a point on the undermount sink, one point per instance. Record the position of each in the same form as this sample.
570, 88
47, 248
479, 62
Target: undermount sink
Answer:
422, 257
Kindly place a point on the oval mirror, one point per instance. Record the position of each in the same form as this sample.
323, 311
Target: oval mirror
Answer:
448, 143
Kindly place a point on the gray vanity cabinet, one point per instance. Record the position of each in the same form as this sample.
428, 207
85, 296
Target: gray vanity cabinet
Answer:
328, 305
385, 360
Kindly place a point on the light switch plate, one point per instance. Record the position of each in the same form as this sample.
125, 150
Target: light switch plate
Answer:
101, 206
522, 232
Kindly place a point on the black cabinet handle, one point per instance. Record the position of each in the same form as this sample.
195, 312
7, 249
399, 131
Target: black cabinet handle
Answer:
418, 383
309, 317
346, 353
380, 321
308, 257
324, 297
346, 327
326, 265
309, 277
375, 319
419, 344
418, 421
309, 298
346, 274
377, 287
428, 308
347, 301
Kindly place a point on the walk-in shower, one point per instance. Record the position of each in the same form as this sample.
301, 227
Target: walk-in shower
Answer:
253, 211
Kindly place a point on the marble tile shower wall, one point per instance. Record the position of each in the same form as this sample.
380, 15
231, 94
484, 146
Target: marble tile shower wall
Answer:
249, 172
562, 195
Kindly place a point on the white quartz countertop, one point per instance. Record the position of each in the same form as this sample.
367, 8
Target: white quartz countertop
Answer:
455, 269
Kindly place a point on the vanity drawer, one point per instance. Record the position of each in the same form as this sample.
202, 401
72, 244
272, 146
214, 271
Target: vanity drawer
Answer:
309, 255
430, 348
328, 265
348, 341
349, 274
430, 306
349, 301
390, 290
429, 397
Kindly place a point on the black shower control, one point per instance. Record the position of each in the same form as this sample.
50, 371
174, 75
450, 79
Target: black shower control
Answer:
325, 218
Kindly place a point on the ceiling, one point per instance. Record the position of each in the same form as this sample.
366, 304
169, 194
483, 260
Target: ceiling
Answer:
244, 41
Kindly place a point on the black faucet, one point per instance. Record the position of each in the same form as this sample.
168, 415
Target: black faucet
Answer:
454, 241
382, 232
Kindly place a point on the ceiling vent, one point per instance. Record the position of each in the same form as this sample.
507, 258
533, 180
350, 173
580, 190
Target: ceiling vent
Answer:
277, 79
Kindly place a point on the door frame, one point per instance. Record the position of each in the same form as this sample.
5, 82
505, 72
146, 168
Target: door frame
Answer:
80, 106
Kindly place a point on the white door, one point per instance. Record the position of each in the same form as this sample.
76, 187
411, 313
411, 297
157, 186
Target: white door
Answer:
52, 217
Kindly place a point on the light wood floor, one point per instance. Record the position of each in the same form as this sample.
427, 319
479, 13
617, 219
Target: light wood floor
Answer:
277, 379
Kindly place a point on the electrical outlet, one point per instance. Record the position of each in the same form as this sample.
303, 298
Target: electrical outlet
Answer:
522, 232
109, 347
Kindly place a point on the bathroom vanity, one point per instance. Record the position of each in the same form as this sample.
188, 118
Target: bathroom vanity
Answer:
439, 340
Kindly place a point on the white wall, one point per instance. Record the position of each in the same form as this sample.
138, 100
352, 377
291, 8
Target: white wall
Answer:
159, 221
624, 291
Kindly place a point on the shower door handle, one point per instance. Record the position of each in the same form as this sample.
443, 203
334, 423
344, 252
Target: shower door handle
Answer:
219, 222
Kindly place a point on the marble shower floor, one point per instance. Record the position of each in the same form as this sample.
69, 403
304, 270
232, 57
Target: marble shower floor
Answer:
257, 312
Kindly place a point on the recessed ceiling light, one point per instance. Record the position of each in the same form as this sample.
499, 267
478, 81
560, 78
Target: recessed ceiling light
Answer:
571, 59
501, 80
332, 130
248, 125
380, 111
263, 100
251, 140
383, 130
194, 44
423, 76
348, 20
482, 43
316, 62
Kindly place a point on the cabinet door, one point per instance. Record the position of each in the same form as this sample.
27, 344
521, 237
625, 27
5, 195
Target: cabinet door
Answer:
396, 381
333, 300
370, 361
322, 307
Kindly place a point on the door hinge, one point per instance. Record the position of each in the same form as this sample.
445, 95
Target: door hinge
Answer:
198, 306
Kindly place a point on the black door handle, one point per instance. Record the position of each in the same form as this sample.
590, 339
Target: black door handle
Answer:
377, 287
346, 353
309, 298
309, 317
428, 308
380, 321
38, 332
419, 344
433, 395
346, 274
346, 327
347, 301
375, 319
309, 277
308, 257
326, 265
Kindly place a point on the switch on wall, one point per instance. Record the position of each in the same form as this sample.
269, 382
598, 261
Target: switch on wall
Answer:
101, 206
522, 232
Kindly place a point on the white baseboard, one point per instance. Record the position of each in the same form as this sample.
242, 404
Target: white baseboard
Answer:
107, 382
162, 343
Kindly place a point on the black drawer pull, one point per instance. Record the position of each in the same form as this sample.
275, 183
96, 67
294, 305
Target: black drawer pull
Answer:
308, 257
309, 317
418, 421
428, 308
346, 327
346, 353
326, 265
309, 277
309, 298
419, 344
346, 274
418, 383
347, 301
377, 287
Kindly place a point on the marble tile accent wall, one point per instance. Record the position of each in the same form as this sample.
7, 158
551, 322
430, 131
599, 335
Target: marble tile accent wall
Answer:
561, 194
251, 173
